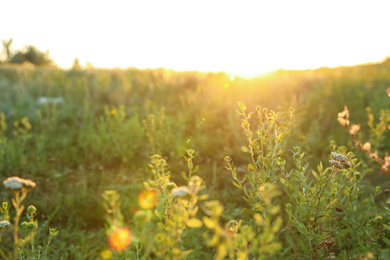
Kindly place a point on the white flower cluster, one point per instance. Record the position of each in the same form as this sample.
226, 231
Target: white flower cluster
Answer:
339, 161
44, 100
4, 224
16, 183
181, 192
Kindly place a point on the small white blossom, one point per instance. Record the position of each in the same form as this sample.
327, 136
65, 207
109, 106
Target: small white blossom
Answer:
13, 183
181, 192
16, 183
4, 224
44, 100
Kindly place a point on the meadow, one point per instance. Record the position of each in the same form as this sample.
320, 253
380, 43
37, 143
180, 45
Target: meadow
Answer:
158, 164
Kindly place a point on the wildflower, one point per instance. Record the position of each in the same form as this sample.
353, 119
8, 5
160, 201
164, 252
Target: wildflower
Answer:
370, 255
367, 147
16, 183
4, 224
354, 130
181, 192
379, 216
13, 183
106, 254
386, 166
147, 199
343, 117
31, 210
374, 155
44, 100
120, 239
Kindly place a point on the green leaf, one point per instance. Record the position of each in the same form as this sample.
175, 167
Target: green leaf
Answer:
244, 149
313, 190
302, 229
315, 175
251, 168
235, 184
185, 176
386, 240
303, 245
300, 195
318, 238
333, 202
195, 169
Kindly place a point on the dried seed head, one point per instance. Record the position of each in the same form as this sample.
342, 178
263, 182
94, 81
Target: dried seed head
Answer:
339, 157
336, 164
327, 242
339, 161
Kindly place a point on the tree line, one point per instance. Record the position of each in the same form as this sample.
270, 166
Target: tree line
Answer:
29, 54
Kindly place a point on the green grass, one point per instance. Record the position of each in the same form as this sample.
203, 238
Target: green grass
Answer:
111, 121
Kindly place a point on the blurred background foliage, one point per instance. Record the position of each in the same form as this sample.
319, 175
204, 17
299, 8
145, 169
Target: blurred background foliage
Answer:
109, 122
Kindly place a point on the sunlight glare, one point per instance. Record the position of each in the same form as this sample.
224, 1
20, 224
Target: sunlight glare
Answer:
243, 39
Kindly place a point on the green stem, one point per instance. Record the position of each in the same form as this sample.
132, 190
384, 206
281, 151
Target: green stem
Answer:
319, 198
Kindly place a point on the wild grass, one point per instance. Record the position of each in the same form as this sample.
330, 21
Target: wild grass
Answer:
279, 197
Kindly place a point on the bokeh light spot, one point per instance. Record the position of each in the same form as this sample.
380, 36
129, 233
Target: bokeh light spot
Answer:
120, 239
147, 199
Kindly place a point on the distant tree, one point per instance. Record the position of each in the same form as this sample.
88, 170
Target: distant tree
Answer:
32, 55
7, 48
76, 64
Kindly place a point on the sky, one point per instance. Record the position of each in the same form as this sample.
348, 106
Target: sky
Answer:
239, 37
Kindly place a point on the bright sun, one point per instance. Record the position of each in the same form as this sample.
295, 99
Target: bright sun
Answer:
244, 38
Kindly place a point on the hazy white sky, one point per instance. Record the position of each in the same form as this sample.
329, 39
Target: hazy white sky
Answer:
242, 37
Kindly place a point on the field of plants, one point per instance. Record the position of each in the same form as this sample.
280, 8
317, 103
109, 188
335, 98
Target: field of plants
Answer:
157, 164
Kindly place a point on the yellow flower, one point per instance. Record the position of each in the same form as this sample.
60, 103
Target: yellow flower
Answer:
120, 239
147, 199
113, 112
379, 216
106, 254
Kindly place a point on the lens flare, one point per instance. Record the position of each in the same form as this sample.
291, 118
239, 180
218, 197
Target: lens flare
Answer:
120, 239
147, 199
